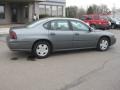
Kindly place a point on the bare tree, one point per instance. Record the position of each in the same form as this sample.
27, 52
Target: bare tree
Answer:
72, 11
95, 9
81, 11
103, 9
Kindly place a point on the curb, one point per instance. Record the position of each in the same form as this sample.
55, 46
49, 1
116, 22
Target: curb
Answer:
4, 31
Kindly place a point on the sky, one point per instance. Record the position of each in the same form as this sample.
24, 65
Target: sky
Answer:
86, 3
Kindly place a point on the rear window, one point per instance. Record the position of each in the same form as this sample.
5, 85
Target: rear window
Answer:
33, 24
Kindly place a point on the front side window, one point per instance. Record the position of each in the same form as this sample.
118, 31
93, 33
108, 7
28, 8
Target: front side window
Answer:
76, 25
89, 18
2, 11
96, 17
60, 25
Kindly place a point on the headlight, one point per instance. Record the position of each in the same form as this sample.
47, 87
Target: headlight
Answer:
117, 22
109, 23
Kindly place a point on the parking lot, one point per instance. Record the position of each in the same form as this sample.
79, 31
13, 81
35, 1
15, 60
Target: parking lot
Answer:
71, 70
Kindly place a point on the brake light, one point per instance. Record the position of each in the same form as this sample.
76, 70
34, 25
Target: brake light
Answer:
13, 35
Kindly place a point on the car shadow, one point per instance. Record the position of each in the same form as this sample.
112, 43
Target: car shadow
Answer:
72, 52
29, 57
22, 55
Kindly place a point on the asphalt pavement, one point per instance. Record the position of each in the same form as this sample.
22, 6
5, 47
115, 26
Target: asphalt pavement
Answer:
71, 70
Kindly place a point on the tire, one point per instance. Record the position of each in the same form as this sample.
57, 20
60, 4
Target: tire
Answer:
103, 44
93, 26
41, 49
113, 26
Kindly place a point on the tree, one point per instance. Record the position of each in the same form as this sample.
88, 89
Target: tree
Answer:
95, 9
103, 9
81, 11
90, 10
72, 11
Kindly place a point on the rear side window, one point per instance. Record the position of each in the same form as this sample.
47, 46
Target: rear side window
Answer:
82, 18
47, 25
57, 25
89, 18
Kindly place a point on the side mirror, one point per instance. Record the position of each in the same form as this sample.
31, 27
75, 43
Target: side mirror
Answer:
90, 29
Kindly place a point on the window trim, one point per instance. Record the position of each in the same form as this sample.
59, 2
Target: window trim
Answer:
26, 11
53, 11
80, 22
4, 11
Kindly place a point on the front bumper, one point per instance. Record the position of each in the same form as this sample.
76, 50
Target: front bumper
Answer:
113, 40
105, 26
117, 25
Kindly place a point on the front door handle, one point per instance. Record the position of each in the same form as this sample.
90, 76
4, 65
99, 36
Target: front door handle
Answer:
52, 34
76, 34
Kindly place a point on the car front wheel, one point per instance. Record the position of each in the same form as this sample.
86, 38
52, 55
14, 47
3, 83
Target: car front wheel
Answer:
103, 44
41, 49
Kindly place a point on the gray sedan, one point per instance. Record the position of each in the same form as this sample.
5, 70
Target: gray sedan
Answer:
57, 34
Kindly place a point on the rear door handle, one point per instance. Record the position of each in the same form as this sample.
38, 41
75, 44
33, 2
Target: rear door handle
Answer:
52, 34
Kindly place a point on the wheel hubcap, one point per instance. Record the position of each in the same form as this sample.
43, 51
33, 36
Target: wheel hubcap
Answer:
42, 50
104, 44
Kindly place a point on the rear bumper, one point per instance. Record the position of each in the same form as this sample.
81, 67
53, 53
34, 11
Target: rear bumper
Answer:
16, 46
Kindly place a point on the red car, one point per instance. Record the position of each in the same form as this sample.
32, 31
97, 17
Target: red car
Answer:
96, 21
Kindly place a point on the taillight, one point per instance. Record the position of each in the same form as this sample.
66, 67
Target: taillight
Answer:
100, 22
13, 35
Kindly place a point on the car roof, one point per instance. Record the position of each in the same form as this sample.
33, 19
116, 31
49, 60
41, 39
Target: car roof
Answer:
54, 18
63, 18
45, 20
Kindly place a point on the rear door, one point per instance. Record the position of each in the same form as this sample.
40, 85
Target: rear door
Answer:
61, 34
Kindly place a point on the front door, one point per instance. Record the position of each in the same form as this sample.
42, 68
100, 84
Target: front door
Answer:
83, 38
14, 13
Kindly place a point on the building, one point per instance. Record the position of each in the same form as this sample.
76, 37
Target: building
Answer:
22, 11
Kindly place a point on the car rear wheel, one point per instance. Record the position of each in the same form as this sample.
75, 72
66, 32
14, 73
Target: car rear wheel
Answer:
103, 44
113, 26
41, 49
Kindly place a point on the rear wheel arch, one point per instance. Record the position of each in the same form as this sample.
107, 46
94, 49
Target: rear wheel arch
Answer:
43, 40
